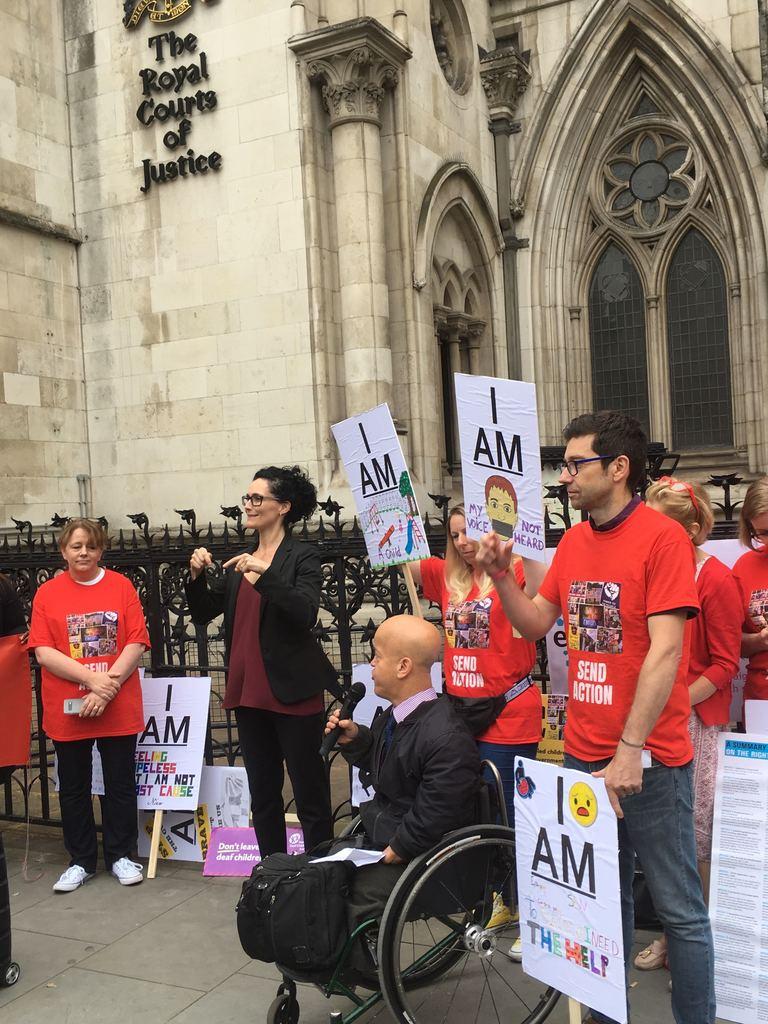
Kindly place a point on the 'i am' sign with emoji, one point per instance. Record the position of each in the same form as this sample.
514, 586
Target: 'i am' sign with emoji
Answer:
568, 885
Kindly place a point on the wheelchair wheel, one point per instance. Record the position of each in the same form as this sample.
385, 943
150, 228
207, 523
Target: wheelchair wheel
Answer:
284, 1009
438, 962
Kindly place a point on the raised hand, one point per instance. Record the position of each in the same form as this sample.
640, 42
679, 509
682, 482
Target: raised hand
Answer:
494, 555
201, 558
246, 563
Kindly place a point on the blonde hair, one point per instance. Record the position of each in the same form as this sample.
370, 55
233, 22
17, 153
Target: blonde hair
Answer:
755, 504
686, 503
97, 535
459, 576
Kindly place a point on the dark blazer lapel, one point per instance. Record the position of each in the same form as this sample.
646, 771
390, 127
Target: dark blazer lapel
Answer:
282, 554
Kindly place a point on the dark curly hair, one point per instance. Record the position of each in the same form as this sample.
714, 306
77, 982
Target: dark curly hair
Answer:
615, 434
290, 483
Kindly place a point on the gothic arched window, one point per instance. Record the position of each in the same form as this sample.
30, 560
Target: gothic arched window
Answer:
617, 336
697, 337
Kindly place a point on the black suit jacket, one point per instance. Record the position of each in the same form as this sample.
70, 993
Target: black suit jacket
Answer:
427, 783
296, 665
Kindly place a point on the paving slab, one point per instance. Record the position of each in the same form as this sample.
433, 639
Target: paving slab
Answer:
194, 945
41, 957
79, 996
247, 998
102, 910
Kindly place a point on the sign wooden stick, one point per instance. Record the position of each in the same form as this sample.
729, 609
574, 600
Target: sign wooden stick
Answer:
574, 1011
154, 846
412, 592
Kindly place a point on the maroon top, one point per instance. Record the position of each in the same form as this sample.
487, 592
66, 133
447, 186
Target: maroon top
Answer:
247, 682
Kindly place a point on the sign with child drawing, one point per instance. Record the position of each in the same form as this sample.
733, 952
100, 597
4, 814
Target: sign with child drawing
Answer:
501, 461
382, 488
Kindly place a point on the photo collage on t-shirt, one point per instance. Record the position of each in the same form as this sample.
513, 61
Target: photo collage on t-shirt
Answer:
92, 635
469, 624
758, 608
594, 621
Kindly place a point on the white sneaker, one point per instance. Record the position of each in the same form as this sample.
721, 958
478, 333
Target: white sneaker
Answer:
72, 879
516, 951
126, 872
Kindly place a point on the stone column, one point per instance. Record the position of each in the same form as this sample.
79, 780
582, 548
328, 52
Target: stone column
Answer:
454, 325
475, 343
355, 63
505, 76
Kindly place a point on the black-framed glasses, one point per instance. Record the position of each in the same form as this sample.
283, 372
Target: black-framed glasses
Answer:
572, 465
255, 500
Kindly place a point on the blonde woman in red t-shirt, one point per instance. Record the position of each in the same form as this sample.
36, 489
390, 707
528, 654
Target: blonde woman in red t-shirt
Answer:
88, 633
484, 657
715, 638
751, 573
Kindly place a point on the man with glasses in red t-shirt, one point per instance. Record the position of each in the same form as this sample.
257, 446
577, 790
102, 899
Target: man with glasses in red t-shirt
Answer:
623, 581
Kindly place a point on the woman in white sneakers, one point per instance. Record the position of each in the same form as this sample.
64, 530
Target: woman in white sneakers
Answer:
88, 633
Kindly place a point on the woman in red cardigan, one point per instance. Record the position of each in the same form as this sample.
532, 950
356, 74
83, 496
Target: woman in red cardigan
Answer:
715, 640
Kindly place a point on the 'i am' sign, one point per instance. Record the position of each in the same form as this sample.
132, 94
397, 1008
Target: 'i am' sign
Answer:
501, 461
382, 488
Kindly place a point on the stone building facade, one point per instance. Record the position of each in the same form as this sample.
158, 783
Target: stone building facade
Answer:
226, 224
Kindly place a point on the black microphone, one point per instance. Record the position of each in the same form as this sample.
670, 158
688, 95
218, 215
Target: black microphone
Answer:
353, 698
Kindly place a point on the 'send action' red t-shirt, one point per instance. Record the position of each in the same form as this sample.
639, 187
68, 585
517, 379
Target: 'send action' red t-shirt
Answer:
483, 657
607, 584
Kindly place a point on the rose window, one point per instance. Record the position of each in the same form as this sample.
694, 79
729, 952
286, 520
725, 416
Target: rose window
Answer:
649, 179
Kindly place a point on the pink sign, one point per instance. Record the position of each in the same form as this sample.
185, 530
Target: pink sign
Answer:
235, 851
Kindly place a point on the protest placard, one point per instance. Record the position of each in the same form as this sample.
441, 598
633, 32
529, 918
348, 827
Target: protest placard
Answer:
739, 879
501, 461
224, 801
551, 745
382, 488
568, 885
233, 852
169, 753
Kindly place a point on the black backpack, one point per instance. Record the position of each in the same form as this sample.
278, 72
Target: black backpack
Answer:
293, 912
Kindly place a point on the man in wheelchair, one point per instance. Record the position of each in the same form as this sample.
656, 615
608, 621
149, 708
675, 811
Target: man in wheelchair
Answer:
419, 757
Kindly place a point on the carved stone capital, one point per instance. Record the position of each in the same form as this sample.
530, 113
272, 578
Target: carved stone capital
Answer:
355, 63
517, 207
505, 77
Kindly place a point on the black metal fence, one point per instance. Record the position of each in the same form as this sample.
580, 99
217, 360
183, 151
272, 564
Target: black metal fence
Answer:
355, 598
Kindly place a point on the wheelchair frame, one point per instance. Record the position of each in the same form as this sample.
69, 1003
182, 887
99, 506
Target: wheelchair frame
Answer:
285, 1008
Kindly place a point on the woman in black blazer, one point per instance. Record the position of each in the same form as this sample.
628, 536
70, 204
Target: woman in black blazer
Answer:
277, 671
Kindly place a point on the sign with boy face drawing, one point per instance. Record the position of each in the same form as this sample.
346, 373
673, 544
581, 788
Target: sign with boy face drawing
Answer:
501, 461
382, 488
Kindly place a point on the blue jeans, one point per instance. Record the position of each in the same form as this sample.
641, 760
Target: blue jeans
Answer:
658, 827
503, 756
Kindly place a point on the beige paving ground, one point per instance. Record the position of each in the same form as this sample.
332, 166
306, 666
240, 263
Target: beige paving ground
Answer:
166, 950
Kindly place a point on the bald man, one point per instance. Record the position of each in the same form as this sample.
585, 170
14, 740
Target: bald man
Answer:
419, 757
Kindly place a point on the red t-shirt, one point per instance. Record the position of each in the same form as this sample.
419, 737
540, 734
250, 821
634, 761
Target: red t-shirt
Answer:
607, 583
93, 625
751, 574
715, 639
483, 657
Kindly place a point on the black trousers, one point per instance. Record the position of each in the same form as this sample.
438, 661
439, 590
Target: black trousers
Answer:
267, 739
118, 806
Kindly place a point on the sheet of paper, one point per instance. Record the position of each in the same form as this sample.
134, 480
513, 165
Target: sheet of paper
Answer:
360, 858
739, 887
